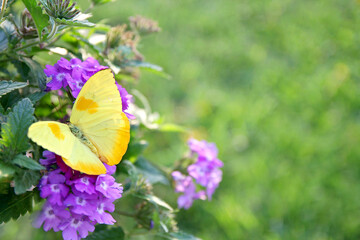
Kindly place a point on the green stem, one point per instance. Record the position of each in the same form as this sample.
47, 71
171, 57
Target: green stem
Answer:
3, 7
126, 214
27, 45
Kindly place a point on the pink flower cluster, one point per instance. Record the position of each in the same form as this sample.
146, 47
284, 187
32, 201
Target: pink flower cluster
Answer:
75, 202
205, 171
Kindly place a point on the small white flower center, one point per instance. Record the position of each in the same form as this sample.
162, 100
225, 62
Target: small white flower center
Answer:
60, 77
104, 185
55, 188
80, 201
100, 208
75, 223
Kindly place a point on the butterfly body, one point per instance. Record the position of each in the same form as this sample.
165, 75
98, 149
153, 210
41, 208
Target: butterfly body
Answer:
98, 130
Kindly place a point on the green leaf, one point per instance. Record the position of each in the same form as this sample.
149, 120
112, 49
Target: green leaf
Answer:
6, 169
169, 127
36, 72
141, 64
150, 172
135, 149
156, 201
99, 2
24, 180
14, 132
179, 236
41, 20
13, 206
8, 86
36, 96
74, 23
29, 163
112, 233
4, 42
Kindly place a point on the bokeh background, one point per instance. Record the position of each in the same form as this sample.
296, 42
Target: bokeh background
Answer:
275, 84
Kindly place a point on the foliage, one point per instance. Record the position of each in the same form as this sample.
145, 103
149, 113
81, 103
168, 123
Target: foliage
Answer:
37, 33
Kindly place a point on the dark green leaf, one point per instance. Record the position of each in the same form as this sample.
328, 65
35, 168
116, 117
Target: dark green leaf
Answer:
3, 40
150, 172
8, 86
10, 99
36, 72
74, 23
29, 163
112, 233
14, 132
135, 149
24, 180
36, 96
13, 206
41, 20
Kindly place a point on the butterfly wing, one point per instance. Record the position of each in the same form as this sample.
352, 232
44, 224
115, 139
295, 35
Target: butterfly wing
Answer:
98, 113
58, 138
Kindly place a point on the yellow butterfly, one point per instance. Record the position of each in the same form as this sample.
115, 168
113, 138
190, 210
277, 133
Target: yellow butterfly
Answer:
98, 130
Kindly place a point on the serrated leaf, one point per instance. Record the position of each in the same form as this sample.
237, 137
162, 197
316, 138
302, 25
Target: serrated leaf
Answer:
13, 206
29, 163
74, 23
36, 72
112, 233
24, 180
156, 201
8, 86
150, 172
41, 20
14, 138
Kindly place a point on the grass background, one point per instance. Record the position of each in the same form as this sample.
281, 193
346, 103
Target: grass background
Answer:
275, 84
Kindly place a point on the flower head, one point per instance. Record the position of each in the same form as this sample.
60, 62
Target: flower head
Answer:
75, 202
75, 73
205, 171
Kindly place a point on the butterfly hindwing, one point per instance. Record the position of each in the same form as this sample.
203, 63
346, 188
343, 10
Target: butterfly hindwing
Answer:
58, 138
97, 112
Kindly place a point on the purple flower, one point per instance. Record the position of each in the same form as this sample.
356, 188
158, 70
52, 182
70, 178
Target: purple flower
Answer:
126, 99
77, 224
100, 215
106, 185
49, 159
51, 216
59, 77
205, 171
84, 184
186, 185
203, 148
75, 73
75, 202
80, 203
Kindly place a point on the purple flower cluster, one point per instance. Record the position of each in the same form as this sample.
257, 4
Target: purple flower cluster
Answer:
75, 202
75, 73
205, 171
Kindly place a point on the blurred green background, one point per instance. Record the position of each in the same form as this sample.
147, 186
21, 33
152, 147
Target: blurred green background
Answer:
275, 84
